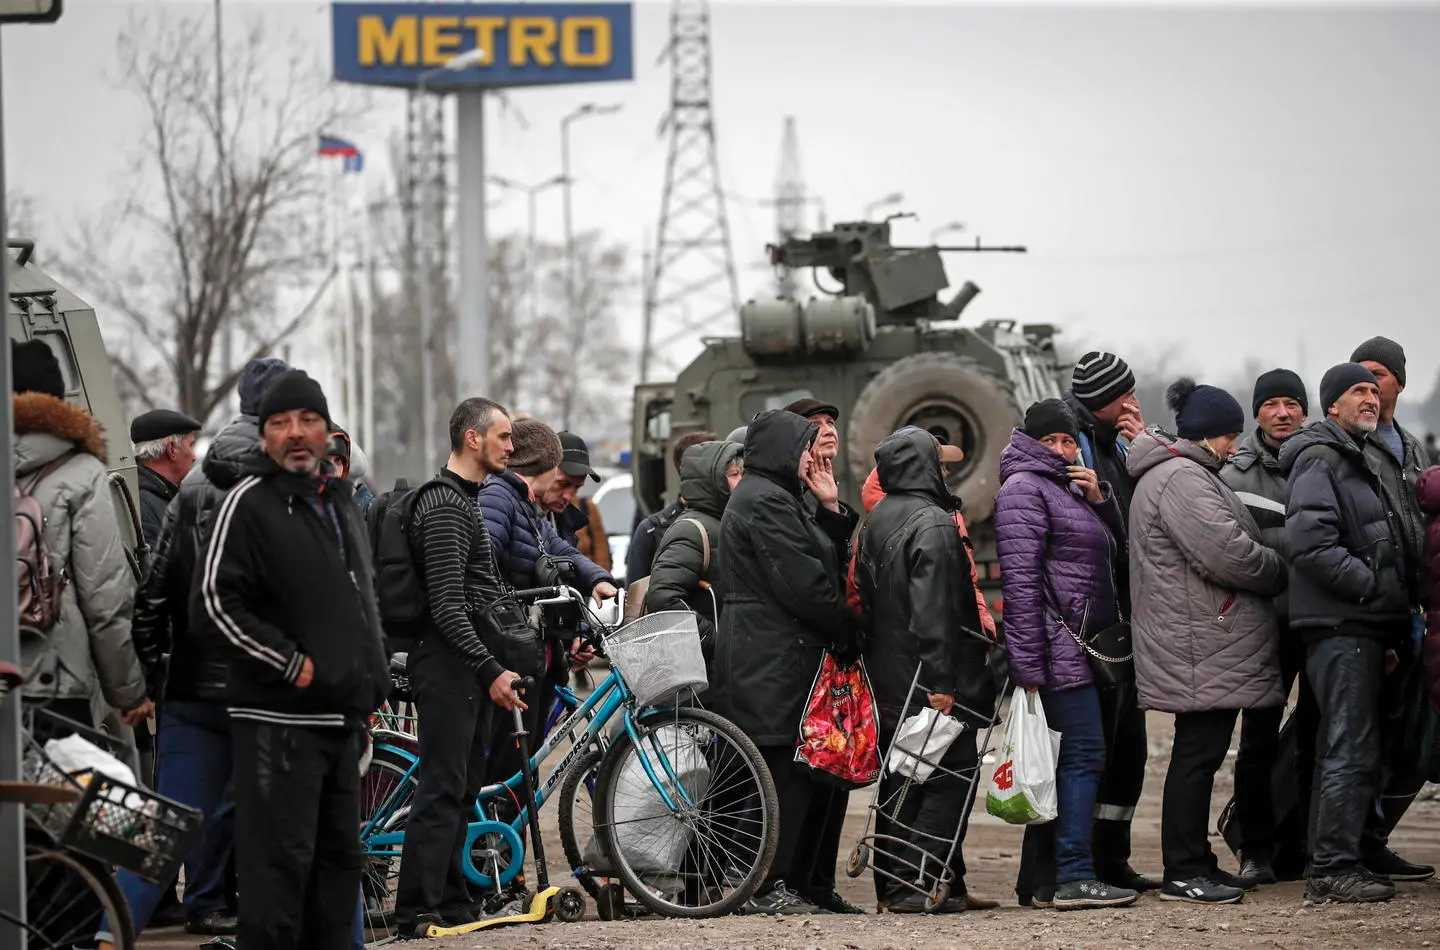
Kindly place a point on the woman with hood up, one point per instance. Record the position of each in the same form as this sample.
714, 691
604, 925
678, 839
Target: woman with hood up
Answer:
685, 559
1057, 532
1206, 643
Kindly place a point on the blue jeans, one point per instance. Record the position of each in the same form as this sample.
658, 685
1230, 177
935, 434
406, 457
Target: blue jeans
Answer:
192, 754
1075, 714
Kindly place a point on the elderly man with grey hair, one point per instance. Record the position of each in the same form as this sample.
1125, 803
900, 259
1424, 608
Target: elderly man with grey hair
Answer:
164, 443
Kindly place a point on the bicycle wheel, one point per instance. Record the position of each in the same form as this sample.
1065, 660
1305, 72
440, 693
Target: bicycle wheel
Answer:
707, 857
65, 895
575, 817
384, 786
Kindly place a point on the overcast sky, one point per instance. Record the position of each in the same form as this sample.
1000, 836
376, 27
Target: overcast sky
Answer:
1231, 181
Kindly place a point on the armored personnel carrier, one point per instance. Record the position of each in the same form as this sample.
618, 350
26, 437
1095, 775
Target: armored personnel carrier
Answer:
38, 307
884, 348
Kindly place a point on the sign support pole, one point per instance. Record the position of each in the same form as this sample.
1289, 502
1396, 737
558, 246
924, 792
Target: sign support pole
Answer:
472, 357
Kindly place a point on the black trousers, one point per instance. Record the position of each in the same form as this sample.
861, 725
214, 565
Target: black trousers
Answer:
1345, 822
1255, 790
799, 859
1201, 741
1126, 750
824, 825
935, 807
297, 842
455, 714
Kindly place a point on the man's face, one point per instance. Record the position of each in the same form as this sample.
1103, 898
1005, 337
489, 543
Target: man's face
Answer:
827, 443
560, 493
1125, 404
1390, 388
296, 440
492, 448
185, 455
1358, 410
1280, 418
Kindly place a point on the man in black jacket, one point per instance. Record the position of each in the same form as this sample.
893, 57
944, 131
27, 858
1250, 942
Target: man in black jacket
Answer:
1349, 601
164, 442
458, 678
287, 580
914, 583
782, 604
1102, 394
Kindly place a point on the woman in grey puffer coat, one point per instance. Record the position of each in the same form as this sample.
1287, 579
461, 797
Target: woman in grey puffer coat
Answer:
1206, 645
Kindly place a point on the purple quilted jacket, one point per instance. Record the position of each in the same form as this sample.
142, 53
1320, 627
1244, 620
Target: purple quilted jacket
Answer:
1048, 536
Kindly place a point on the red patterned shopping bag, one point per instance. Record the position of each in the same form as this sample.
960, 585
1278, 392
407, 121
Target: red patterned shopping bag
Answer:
839, 736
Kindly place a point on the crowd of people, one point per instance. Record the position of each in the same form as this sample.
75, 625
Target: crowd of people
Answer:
257, 642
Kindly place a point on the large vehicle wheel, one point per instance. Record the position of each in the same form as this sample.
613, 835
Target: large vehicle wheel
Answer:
952, 396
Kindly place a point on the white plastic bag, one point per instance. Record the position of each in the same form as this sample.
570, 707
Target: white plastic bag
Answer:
75, 754
1022, 788
921, 741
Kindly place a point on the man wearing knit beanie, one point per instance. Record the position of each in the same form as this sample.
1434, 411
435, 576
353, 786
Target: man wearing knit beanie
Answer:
1279, 405
1350, 604
1400, 458
1102, 396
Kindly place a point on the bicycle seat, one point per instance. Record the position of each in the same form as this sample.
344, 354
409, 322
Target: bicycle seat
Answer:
398, 664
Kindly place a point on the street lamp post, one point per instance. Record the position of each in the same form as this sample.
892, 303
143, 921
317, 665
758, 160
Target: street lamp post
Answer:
588, 108
427, 284
531, 192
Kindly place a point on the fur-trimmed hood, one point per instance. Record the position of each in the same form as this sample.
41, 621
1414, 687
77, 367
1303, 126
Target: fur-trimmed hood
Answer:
46, 428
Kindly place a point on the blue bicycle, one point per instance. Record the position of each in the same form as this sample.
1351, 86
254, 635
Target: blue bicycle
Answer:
684, 809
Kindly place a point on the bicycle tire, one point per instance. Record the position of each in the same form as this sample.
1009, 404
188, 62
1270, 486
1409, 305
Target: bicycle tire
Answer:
94, 877
608, 781
378, 925
572, 847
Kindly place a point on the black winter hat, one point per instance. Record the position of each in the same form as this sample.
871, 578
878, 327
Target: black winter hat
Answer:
1277, 383
1099, 379
161, 424
1049, 416
256, 375
1337, 382
1386, 352
1203, 412
34, 369
293, 389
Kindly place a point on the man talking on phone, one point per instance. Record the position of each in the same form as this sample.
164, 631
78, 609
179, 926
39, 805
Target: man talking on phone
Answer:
1102, 395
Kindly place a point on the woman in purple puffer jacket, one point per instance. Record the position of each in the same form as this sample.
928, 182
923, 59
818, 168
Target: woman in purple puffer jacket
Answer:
1058, 531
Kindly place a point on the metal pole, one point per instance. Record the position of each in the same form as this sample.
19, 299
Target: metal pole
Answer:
648, 328
371, 301
12, 815
352, 305
569, 226
532, 194
473, 315
427, 285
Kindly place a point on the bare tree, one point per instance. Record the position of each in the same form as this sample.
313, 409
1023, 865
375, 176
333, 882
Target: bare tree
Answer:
220, 233
20, 215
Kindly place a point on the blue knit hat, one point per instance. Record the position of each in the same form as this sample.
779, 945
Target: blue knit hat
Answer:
1203, 412
254, 379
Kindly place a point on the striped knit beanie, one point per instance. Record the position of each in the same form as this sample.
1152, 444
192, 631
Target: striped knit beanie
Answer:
1100, 379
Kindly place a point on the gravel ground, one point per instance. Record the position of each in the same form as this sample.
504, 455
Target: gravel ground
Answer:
1273, 917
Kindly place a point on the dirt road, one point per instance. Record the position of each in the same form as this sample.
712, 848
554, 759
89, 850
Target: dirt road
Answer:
1273, 917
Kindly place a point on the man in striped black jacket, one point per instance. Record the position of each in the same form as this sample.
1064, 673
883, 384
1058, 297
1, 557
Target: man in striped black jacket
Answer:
287, 580
1280, 405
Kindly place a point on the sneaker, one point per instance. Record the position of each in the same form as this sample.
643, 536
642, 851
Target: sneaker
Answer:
1349, 887
835, 904
218, 924
1201, 890
781, 901
1043, 898
1389, 864
1128, 878
1254, 869
1222, 876
913, 902
1084, 895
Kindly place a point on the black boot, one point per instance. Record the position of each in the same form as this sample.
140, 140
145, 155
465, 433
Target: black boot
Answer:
1111, 849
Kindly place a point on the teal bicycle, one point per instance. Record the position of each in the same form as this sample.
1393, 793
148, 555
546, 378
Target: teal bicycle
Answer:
683, 807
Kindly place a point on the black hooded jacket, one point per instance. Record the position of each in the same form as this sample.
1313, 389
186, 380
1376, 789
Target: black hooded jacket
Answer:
1346, 569
782, 588
169, 614
286, 577
914, 583
155, 494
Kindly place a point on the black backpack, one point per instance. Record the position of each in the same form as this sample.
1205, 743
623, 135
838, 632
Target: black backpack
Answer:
399, 588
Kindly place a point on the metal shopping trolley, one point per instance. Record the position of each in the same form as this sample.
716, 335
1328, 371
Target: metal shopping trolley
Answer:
891, 844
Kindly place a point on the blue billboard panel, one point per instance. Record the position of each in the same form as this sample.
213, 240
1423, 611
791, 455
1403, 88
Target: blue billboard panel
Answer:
523, 44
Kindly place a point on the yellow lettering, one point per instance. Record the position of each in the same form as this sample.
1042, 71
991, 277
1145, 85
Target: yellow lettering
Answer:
379, 47
441, 40
532, 35
484, 28
571, 53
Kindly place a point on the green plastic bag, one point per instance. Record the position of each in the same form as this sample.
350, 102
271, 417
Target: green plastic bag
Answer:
1022, 787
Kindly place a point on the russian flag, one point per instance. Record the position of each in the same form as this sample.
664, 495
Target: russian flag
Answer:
354, 160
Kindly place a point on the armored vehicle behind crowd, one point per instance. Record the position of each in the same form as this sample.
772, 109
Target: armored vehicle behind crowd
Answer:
884, 349
40, 307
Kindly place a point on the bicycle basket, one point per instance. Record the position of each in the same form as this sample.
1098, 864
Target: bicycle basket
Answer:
658, 655
112, 822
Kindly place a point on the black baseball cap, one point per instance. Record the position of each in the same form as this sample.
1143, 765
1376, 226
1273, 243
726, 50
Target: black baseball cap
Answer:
576, 460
